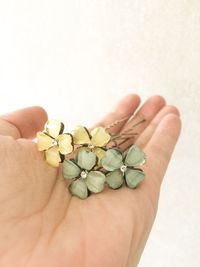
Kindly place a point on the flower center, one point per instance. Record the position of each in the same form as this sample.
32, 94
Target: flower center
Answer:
84, 174
90, 146
54, 142
123, 168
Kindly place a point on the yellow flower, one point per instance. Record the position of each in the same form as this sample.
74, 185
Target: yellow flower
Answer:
94, 141
54, 143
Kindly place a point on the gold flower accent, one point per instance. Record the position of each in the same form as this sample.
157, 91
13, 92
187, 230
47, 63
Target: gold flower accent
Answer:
94, 141
54, 142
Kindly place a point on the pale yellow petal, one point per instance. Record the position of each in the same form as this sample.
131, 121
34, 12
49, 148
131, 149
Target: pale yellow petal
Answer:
65, 144
100, 154
44, 141
100, 137
81, 136
54, 128
52, 156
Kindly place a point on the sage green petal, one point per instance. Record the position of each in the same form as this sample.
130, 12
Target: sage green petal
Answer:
79, 188
86, 160
70, 169
135, 157
112, 160
134, 177
95, 181
115, 179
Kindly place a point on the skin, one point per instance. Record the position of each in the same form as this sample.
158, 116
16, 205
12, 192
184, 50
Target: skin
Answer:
41, 224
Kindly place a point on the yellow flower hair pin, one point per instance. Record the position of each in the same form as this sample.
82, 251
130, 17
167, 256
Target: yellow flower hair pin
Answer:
95, 140
54, 142
98, 140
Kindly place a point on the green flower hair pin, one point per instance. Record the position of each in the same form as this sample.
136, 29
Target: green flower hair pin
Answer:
82, 169
92, 159
120, 166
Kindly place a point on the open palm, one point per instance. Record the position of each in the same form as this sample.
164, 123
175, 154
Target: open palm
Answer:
41, 224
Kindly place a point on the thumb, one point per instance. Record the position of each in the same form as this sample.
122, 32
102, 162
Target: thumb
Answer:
23, 123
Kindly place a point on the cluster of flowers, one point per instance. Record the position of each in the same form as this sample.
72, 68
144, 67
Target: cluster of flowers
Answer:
90, 162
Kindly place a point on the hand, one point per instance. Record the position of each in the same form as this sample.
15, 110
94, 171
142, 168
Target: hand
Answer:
42, 225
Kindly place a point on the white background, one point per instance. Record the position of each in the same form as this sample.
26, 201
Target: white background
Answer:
76, 58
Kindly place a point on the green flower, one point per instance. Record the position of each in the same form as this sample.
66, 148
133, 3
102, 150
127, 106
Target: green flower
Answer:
124, 168
86, 179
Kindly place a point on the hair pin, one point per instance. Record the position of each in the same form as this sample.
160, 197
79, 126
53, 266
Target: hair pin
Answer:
93, 158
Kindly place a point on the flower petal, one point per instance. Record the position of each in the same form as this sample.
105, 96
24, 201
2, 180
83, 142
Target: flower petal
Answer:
95, 181
135, 157
65, 144
115, 179
54, 128
70, 169
112, 160
81, 136
79, 188
134, 177
44, 141
100, 137
86, 160
78, 149
100, 153
52, 156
